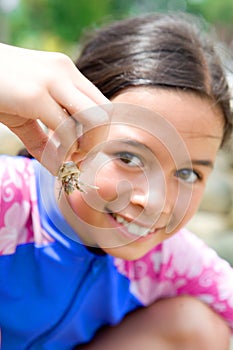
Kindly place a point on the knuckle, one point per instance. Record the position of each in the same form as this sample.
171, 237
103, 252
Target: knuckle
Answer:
34, 93
61, 59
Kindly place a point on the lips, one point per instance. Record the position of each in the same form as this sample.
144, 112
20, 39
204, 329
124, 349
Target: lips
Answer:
132, 227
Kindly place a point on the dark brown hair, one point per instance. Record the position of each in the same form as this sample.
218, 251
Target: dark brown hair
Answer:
161, 50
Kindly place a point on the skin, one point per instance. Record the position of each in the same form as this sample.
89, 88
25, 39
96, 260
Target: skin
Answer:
53, 90
49, 88
154, 328
158, 197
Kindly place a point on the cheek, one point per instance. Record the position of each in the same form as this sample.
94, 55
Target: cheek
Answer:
107, 188
108, 180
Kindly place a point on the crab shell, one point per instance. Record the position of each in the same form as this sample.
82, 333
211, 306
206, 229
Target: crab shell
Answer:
67, 169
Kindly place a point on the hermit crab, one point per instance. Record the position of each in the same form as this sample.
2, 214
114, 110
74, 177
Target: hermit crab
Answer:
69, 176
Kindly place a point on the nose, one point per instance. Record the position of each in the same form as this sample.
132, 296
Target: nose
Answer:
150, 194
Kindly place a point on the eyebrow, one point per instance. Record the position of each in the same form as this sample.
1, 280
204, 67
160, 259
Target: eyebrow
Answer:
200, 162
135, 143
203, 162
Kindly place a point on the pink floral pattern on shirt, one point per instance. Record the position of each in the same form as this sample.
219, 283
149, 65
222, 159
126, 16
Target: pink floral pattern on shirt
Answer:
19, 219
182, 264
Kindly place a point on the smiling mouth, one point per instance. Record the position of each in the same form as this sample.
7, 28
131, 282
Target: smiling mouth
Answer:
132, 228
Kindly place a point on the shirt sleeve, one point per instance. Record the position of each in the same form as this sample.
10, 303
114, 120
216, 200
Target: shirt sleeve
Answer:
19, 219
183, 265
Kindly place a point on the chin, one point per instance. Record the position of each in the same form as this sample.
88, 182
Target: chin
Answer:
126, 252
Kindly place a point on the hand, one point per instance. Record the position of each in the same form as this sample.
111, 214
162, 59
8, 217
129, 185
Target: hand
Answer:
47, 87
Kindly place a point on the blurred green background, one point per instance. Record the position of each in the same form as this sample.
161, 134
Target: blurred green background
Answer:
56, 25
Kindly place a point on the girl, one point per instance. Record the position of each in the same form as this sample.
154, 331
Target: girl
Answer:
108, 246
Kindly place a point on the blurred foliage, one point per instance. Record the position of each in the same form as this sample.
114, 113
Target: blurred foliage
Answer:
214, 11
58, 24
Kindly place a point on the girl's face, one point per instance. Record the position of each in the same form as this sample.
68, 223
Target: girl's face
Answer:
151, 171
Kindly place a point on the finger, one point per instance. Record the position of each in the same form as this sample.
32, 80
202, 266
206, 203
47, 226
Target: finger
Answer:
89, 89
75, 98
53, 116
47, 148
92, 129
33, 137
83, 109
67, 129
87, 114
79, 82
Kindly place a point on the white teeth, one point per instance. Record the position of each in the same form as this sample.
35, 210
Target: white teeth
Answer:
137, 230
120, 219
132, 227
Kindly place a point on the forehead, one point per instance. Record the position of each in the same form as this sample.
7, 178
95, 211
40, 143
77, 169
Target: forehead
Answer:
161, 111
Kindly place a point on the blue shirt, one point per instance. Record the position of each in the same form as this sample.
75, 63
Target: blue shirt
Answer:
55, 293
56, 296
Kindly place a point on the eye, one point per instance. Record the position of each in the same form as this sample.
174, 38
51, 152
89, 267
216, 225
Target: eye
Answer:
188, 175
130, 159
